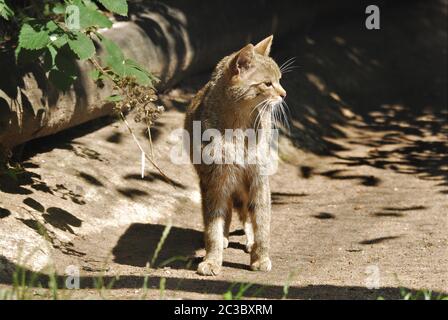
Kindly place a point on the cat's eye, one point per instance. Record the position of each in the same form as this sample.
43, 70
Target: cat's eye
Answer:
268, 84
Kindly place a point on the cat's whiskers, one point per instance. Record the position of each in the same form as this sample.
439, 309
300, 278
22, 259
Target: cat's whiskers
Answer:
259, 118
288, 66
242, 95
258, 106
260, 111
280, 116
288, 110
285, 117
287, 63
289, 69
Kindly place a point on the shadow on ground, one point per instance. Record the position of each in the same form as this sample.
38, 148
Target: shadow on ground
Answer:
390, 82
209, 286
138, 246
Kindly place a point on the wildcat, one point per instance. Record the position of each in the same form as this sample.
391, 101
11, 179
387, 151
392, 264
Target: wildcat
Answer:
244, 92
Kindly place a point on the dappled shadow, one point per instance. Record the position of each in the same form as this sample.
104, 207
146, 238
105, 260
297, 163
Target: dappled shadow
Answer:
91, 179
366, 180
66, 247
22, 181
384, 89
115, 137
63, 140
62, 219
4, 213
280, 198
16, 183
306, 171
388, 214
324, 216
167, 28
132, 193
409, 208
57, 217
155, 176
378, 240
398, 211
33, 204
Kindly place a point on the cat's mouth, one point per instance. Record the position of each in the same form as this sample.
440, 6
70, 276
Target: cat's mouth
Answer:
279, 111
277, 100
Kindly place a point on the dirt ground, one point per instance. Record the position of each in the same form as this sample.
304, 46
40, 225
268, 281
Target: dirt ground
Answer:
360, 196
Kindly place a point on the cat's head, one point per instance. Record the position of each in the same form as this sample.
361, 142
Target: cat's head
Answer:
254, 77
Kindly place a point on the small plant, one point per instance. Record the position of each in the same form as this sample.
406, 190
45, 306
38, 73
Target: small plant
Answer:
291, 276
12, 171
102, 287
162, 288
159, 247
423, 294
242, 288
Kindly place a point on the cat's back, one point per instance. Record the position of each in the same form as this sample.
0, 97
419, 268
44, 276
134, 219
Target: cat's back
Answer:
203, 104
197, 109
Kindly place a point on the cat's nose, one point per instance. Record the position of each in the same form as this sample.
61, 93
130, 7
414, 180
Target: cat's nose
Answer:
281, 91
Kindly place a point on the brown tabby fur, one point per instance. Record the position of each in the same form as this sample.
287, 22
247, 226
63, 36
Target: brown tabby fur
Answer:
230, 100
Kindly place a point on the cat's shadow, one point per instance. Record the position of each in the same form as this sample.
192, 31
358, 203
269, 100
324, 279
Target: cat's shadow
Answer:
138, 245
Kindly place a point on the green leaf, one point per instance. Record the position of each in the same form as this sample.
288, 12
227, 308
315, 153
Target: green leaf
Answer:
82, 45
114, 98
140, 77
33, 37
95, 75
116, 61
59, 8
116, 6
5, 11
89, 17
135, 64
58, 37
123, 67
51, 26
115, 57
60, 40
90, 4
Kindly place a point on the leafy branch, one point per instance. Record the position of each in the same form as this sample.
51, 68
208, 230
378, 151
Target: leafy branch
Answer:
59, 33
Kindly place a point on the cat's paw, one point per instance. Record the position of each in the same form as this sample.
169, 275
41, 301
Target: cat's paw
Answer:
263, 264
249, 246
225, 243
209, 268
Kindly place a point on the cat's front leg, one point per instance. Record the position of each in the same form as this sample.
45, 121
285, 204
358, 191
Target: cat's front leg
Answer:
214, 214
260, 213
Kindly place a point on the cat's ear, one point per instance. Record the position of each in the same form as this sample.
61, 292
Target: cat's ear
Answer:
264, 46
243, 59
